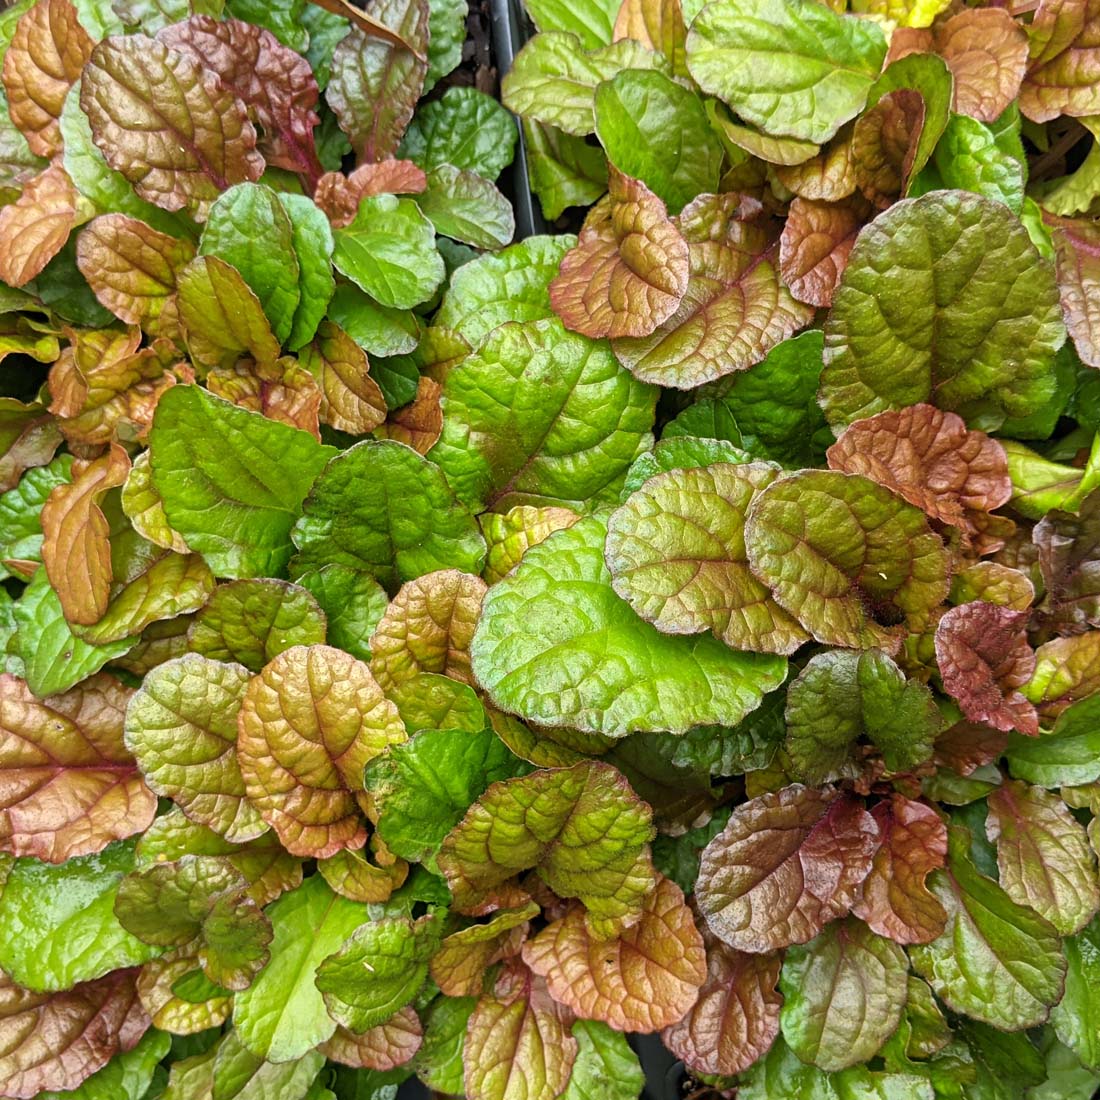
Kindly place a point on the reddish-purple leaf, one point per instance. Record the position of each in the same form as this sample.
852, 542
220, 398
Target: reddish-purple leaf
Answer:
784, 866
984, 658
893, 899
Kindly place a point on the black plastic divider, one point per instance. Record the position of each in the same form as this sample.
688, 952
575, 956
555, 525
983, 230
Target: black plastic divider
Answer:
510, 30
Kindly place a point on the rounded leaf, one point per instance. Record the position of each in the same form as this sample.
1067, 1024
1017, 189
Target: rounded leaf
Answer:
846, 557
182, 727
642, 981
901, 330
308, 724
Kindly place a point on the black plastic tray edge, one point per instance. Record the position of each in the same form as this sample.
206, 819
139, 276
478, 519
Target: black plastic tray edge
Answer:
510, 30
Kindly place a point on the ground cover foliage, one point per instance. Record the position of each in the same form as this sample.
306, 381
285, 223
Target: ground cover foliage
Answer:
430, 655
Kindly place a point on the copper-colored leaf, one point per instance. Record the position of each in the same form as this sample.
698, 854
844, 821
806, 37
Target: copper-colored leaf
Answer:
518, 1043
784, 866
284, 391
1077, 262
35, 227
966, 746
167, 124
55, 1041
171, 1012
658, 24
884, 145
735, 309
308, 724
984, 658
1064, 61
350, 399
383, 1047
630, 268
930, 458
68, 786
352, 875
893, 899
131, 267
418, 424
275, 82
644, 980
814, 247
428, 628
736, 1018
338, 195
459, 966
995, 583
828, 177
1069, 550
47, 52
986, 51
77, 549
29, 436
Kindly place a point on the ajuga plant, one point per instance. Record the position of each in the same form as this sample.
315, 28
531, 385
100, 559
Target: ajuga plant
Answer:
429, 657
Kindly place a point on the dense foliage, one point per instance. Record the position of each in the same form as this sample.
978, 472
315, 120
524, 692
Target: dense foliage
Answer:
426, 656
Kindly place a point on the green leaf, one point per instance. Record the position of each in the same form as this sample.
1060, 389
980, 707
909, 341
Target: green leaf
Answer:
845, 556
773, 405
606, 1068
557, 646
1040, 486
249, 228
466, 207
374, 327
21, 537
438, 1063
843, 995
282, 1016
511, 285
311, 236
592, 21
968, 158
638, 113
790, 67
540, 415
582, 828
1069, 754
353, 602
996, 961
1076, 1017
421, 789
553, 79
232, 481
676, 552
54, 658
253, 621
901, 328
446, 34
200, 904
389, 251
464, 128
377, 971
282, 17
59, 922
181, 726
680, 452
564, 169
382, 508
842, 696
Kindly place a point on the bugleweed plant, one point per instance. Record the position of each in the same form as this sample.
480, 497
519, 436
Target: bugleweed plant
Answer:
430, 657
